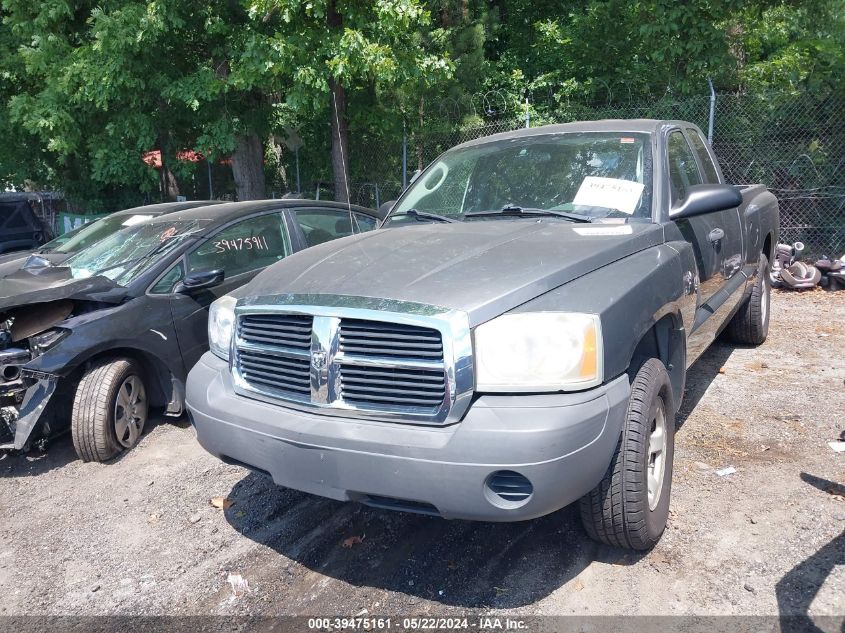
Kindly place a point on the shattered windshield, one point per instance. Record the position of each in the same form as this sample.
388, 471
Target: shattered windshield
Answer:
126, 254
95, 231
595, 175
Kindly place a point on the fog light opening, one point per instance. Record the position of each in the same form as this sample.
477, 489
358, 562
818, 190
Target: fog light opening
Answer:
508, 489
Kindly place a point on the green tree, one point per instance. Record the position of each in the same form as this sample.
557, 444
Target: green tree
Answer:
105, 84
325, 49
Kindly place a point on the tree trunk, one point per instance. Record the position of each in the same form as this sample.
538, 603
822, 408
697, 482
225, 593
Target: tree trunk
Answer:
340, 126
248, 167
340, 142
281, 178
167, 183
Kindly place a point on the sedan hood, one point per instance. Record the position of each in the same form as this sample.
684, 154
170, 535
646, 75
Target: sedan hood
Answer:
484, 268
9, 264
25, 287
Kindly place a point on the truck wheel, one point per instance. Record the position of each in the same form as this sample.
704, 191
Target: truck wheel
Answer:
630, 506
109, 410
750, 325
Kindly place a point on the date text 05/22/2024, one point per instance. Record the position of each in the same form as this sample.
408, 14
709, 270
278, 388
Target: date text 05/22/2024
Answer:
483, 623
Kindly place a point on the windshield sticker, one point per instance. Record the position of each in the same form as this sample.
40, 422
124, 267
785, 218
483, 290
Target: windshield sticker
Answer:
136, 219
603, 230
627, 140
611, 193
241, 244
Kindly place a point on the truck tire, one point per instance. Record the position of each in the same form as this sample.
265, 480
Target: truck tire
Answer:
630, 506
750, 325
109, 410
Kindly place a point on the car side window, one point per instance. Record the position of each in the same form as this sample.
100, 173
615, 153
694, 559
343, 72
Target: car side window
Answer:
364, 223
323, 225
166, 283
245, 246
710, 173
683, 170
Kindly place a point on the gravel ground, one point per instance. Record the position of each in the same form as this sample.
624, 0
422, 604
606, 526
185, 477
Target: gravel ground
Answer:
139, 535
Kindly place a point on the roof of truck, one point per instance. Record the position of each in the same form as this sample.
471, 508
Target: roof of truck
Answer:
647, 126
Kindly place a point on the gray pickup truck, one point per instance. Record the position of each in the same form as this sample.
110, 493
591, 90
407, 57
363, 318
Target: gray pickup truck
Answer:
513, 339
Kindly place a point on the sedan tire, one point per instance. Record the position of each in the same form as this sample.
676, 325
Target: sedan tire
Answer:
109, 410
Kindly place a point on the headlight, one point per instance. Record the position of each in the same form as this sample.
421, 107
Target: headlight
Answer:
221, 325
539, 351
40, 343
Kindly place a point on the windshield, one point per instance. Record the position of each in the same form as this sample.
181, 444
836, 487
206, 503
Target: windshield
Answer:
591, 174
127, 253
95, 231
54, 244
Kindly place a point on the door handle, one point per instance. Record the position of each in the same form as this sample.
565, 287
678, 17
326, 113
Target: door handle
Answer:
716, 235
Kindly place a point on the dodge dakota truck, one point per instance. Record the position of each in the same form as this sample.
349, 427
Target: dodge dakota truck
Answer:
514, 338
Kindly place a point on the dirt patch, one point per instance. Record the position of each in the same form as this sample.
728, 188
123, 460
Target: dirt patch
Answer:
142, 536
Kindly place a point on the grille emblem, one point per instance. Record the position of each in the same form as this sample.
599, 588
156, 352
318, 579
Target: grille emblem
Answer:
318, 360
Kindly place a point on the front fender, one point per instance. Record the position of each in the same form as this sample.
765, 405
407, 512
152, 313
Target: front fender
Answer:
630, 296
140, 325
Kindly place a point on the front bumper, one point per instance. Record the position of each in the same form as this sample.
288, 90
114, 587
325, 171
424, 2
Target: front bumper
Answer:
37, 389
562, 443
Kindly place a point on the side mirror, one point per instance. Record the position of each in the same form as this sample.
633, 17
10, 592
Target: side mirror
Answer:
385, 208
703, 199
200, 280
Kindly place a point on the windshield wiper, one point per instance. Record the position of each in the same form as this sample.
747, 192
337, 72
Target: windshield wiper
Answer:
530, 211
423, 215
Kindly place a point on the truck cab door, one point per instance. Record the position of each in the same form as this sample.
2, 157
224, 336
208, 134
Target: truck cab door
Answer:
716, 241
241, 250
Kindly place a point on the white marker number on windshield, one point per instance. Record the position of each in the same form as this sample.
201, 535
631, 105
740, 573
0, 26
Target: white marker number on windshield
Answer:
241, 243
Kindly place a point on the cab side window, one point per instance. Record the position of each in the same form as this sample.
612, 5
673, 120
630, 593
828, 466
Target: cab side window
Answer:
683, 170
248, 245
364, 223
323, 225
710, 173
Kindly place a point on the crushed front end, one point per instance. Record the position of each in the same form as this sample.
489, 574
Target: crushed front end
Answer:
22, 405
25, 333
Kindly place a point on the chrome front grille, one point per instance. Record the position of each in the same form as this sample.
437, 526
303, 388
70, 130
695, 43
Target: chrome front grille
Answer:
372, 386
291, 331
376, 338
412, 364
278, 373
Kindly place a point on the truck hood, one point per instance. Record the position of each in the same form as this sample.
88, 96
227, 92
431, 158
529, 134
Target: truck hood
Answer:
484, 268
24, 287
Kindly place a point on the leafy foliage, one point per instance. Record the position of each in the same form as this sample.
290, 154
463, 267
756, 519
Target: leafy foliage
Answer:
87, 87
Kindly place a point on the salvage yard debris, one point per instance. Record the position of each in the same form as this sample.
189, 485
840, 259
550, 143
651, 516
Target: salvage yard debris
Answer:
348, 543
240, 585
221, 503
789, 272
839, 447
723, 472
